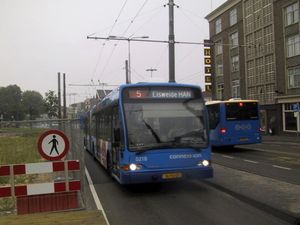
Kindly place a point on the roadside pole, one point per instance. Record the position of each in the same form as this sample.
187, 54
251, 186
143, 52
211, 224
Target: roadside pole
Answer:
296, 114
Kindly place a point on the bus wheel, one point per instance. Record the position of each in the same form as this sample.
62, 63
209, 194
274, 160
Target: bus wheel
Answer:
94, 153
84, 144
109, 166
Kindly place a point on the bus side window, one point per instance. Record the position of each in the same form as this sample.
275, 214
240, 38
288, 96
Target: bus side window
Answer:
214, 116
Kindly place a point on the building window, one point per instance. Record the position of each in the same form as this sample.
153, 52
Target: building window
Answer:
290, 121
270, 68
233, 17
251, 93
236, 89
270, 92
219, 47
258, 41
291, 14
220, 91
251, 49
268, 12
235, 63
219, 69
293, 45
259, 70
250, 72
248, 13
260, 93
218, 26
294, 77
234, 40
268, 39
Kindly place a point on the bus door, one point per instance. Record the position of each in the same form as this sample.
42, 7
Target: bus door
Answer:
117, 148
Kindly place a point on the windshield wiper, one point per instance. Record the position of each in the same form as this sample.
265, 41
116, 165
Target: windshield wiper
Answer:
153, 148
152, 132
170, 145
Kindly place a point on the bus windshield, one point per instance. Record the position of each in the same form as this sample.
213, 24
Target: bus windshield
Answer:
241, 111
159, 124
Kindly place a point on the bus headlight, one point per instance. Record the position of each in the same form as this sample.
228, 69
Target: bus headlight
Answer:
134, 167
203, 163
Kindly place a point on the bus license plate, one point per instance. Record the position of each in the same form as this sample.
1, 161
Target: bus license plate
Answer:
172, 175
244, 139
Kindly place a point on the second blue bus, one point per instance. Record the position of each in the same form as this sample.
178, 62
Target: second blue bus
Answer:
234, 122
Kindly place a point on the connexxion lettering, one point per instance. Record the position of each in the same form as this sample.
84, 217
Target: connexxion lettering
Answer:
185, 156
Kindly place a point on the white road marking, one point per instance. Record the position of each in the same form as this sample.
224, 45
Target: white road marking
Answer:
95, 196
250, 161
225, 156
281, 167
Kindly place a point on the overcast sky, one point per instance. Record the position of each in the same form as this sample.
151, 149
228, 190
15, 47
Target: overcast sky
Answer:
40, 38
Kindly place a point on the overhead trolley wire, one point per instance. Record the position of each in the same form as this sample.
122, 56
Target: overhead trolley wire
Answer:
148, 20
117, 18
131, 22
180, 9
107, 40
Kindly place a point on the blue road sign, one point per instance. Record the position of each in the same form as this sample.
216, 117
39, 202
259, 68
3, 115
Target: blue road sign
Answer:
296, 107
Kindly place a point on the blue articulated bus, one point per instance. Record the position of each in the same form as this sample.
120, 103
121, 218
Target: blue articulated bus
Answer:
151, 132
234, 122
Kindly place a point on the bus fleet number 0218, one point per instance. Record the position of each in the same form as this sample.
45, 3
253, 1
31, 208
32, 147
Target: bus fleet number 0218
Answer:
141, 159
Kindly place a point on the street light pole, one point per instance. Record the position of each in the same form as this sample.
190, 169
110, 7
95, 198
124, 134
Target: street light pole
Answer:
129, 60
151, 70
171, 43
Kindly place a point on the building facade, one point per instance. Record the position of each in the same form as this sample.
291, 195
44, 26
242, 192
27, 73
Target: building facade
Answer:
256, 55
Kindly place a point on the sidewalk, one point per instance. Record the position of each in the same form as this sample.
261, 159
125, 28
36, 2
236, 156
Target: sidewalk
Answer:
275, 197
87, 217
275, 138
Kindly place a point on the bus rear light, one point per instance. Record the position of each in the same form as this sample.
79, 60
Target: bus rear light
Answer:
223, 130
260, 129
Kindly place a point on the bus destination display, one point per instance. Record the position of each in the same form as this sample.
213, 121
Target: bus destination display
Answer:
161, 94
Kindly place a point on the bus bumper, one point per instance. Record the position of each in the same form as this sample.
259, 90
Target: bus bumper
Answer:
158, 176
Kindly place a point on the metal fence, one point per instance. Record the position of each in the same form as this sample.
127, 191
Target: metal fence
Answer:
19, 146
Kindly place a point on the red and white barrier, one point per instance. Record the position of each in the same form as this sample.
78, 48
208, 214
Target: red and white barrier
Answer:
42, 188
33, 168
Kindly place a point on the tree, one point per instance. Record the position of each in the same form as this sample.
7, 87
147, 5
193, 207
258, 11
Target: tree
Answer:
34, 104
11, 105
51, 104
